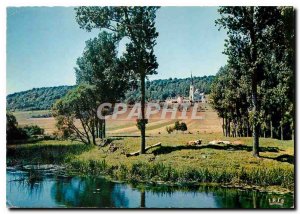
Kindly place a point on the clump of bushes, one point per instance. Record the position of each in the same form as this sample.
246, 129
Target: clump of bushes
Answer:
177, 126
42, 115
14, 132
32, 130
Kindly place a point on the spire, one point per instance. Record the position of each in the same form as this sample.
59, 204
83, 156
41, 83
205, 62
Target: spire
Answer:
192, 78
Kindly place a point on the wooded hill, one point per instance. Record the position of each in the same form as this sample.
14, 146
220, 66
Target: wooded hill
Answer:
43, 98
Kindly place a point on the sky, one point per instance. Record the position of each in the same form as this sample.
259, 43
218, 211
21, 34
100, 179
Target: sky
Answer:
43, 44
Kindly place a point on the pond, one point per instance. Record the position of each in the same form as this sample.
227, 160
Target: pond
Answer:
47, 189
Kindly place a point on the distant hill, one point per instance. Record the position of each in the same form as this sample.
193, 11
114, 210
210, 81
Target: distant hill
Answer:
36, 98
43, 98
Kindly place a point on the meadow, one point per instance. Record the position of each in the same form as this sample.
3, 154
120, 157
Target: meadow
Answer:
174, 162
210, 124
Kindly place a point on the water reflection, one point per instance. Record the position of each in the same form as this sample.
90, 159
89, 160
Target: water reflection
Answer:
88, 192
50, 190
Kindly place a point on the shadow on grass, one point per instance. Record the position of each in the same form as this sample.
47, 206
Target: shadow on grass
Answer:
282, 158
169, 149
128, 136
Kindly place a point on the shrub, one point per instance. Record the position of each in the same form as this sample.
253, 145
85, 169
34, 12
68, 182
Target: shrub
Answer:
13, 132
169, 129
180, 126
32, 130
183, 127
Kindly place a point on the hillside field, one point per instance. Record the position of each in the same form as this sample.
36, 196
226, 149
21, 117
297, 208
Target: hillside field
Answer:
209, 124
174, 161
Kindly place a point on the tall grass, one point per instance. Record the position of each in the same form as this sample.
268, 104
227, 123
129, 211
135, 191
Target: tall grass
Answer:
159, 172
45, 152
172, 163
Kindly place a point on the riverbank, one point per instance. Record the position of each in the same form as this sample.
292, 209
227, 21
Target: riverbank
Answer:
46, 186
172, 163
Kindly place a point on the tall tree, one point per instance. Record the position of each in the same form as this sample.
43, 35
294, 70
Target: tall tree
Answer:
79, 104
99, 66
247, 29
138, 25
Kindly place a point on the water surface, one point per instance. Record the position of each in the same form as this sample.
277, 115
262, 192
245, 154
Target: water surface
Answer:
26, 190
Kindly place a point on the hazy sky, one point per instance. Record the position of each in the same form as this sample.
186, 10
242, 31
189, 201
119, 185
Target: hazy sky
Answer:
43, 44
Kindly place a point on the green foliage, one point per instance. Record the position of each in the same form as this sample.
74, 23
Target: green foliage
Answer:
137, 24
177, 126
13, 132
180, 126
169, 129
183, 127
163, 88
36, 98
11, 121
159, 89
32, 130
100, 67
254, 92
81, 104
139, 123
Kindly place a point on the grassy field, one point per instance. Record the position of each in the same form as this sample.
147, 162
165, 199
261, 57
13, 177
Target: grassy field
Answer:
173, 162
210, 124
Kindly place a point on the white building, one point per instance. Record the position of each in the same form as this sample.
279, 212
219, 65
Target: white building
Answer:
195, 95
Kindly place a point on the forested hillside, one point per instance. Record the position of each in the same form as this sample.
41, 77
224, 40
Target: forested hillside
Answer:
43, 98
36, 98
164, 88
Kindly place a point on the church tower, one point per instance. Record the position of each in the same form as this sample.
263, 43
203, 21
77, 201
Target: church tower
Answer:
192, 90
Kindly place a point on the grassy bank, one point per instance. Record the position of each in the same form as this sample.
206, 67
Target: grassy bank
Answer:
173, 162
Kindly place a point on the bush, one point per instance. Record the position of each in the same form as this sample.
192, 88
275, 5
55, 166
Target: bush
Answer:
180, 126
183, 127
13, 132
32, 130
169, 129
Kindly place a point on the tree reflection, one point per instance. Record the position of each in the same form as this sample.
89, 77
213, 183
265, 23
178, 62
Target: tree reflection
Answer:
88, 192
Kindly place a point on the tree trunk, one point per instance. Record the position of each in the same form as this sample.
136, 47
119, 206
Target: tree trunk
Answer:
143, 199
93, 133
100, 129
226, 127
143, 125
255, 117
104, 129
281, 130
223, 126
271, 128
229, 128
254, 82
248, 134
97, 125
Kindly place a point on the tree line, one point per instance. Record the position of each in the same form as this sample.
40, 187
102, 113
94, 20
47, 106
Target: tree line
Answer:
161, 89
254, 93
36, 98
